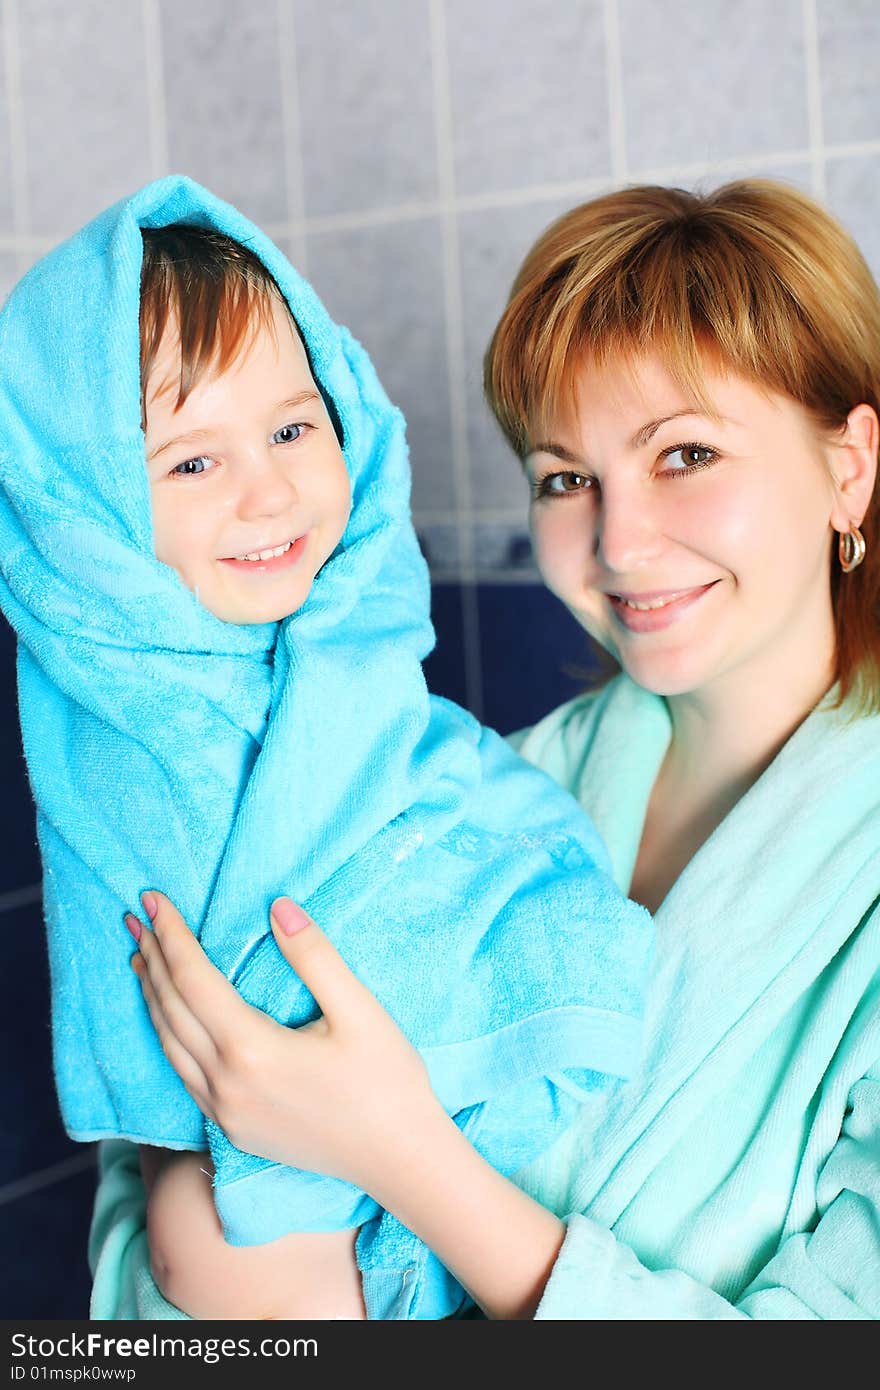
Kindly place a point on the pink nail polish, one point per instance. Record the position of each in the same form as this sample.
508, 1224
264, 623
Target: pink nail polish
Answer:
289, 916
133, 925
151, 907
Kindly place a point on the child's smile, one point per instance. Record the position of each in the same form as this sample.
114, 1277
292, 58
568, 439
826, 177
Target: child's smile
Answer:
272, 560
249, 487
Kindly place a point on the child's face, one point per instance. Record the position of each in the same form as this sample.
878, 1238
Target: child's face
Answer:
249, 464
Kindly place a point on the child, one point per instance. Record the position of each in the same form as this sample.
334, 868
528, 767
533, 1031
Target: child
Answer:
221, 696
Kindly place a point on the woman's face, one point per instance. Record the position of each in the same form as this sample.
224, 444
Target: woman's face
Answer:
687, 545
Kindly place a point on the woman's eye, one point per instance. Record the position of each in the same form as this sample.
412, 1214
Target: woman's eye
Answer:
561, 484
691, 457
287, 434
190, 468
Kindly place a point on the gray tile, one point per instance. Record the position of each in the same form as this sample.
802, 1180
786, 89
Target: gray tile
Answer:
503, 546
441, 547
492, 243
799, 174
9, 272
849, 56
528, 92
386, 284
712, 81
6, 204
222, 79
853, 195
294, 248
366, 104
85, 108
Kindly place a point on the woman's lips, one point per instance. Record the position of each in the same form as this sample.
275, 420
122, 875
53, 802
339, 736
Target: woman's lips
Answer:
660, 608
275, 564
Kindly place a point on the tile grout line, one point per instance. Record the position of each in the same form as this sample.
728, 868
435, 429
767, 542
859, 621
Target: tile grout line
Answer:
455, 357
19, 241
814, 98
15, 118
158, 123
21, 897
47, 1177
288, 75
614, 88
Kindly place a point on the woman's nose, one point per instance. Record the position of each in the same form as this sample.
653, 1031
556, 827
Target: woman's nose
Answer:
628, 533
267, 489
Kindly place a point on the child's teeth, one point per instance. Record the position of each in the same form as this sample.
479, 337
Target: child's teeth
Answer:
267, 554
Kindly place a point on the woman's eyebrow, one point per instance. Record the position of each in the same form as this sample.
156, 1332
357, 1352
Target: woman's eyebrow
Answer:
557, 450
647, 431
641, 437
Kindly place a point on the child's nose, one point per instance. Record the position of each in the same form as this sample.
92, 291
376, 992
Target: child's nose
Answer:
268, 490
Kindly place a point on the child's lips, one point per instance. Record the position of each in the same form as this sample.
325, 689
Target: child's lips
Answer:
274, 563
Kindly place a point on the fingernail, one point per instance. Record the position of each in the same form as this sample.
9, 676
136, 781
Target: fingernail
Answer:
288, 917
151, 907
133, 925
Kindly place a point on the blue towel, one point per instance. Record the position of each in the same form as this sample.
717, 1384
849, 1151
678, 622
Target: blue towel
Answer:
226, 765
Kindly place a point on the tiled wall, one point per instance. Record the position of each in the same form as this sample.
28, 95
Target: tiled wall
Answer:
405, 153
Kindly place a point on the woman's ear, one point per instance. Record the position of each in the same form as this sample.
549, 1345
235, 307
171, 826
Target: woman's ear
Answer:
855, 467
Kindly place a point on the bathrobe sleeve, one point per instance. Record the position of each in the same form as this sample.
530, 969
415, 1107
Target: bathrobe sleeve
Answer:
831, 1271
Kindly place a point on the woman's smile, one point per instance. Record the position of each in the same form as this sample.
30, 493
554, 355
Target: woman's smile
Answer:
652, 611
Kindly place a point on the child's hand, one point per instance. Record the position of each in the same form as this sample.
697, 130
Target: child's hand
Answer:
344, 1095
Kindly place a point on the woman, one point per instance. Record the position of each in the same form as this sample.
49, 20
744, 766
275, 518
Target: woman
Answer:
693, 385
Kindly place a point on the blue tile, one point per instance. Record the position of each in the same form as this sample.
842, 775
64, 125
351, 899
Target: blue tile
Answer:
534, 655
32, 1136
444, 668
19, 856
43, 1267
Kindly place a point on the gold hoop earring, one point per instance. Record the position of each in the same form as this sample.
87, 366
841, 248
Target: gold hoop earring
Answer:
851, 549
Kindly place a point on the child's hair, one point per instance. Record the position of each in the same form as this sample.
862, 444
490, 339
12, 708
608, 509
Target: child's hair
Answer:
757, 275
215, 291
217, 294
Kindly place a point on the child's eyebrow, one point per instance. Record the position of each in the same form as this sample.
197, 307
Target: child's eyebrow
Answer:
301, 398
193, 436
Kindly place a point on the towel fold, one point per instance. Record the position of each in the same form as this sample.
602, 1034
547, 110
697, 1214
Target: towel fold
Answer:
226, 765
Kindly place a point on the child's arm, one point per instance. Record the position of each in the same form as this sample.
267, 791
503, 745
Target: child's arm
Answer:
345, 1095
302, 1275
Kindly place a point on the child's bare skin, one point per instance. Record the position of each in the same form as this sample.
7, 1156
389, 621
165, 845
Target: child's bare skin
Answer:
303, 1275
248, 463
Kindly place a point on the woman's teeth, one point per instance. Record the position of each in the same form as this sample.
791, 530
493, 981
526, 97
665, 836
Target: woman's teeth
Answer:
648, 605
266, 554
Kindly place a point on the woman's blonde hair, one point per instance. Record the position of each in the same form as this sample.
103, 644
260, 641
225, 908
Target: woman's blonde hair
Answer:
755, 274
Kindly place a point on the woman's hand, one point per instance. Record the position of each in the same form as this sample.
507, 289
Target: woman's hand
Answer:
344, 1095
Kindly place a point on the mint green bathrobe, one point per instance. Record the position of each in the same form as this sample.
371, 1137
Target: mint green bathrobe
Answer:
738, 1175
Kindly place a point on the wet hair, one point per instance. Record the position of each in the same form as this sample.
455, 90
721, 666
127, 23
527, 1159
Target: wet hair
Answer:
755, 276
216, 293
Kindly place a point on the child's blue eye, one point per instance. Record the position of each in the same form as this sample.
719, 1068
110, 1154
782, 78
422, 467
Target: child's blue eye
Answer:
191, 468
287, 434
